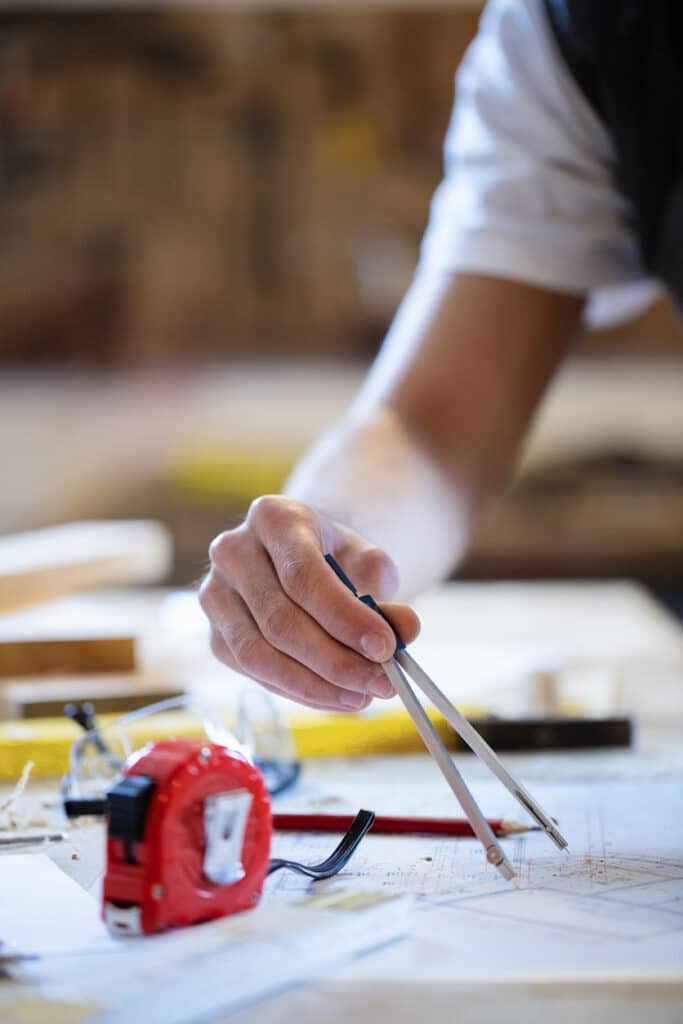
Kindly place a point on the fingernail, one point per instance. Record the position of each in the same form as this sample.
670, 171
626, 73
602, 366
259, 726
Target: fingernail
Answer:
381, 688
348, 699
375, 646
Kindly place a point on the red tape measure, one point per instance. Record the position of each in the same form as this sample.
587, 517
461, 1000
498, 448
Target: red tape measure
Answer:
188, 837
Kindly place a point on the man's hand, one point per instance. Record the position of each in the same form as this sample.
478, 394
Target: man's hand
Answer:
279, 614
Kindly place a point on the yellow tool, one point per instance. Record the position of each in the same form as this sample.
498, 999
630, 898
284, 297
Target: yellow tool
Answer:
47, 741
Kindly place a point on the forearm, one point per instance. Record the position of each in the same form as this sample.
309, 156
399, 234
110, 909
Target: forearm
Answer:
439, 420
370, 473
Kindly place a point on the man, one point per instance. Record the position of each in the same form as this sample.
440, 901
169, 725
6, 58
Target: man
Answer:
563, 174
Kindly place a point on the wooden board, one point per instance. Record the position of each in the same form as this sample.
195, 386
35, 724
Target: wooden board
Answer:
116, 692
85, 654
46, 564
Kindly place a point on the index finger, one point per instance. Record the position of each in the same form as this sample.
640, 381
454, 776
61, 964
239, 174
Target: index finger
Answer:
305, 576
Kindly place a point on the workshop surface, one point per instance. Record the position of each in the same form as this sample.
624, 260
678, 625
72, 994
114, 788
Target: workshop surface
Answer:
597, 932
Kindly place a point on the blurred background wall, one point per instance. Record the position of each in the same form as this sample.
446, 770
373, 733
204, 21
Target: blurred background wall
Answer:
208, 217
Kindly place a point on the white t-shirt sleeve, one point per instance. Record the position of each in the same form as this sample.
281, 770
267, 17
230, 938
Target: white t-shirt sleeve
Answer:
529, 190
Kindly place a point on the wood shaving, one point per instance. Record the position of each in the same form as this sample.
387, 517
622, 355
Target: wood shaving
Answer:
11, 816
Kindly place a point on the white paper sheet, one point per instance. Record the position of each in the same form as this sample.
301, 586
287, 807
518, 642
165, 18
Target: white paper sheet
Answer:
83, 975
613, 905
43, 911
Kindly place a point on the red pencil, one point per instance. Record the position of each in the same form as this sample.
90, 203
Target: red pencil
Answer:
413, 826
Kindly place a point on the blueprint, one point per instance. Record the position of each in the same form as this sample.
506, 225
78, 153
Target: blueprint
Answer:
611, 906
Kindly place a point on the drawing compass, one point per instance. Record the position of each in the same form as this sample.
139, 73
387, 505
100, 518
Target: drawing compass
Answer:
401, 666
